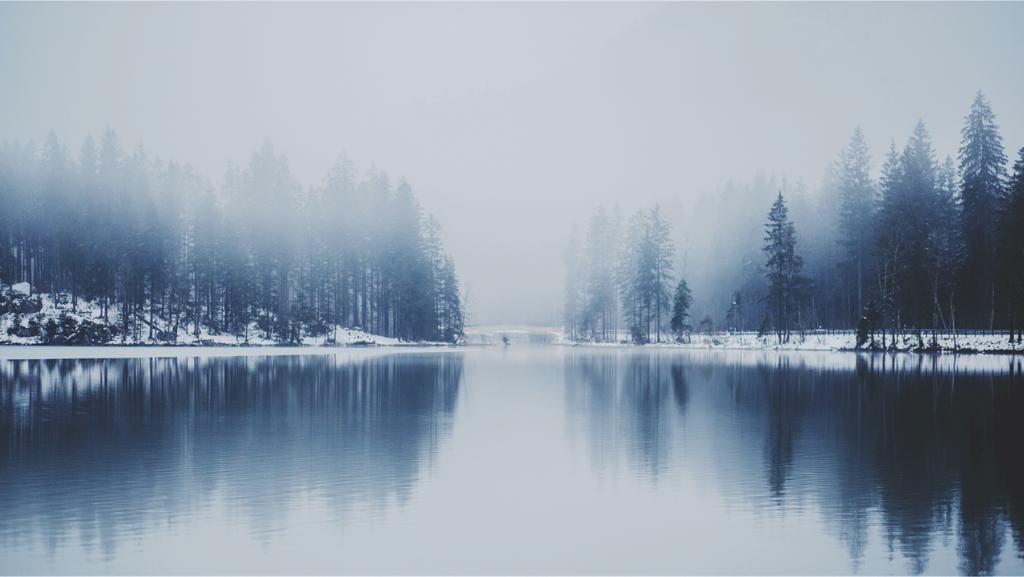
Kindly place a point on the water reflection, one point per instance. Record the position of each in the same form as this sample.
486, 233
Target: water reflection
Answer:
588, 460
642, 396
100, 451
927, 451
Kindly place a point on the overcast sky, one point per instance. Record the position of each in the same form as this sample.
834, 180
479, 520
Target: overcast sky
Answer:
512, 121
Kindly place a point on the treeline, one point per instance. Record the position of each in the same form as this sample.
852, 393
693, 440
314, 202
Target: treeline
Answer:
158, 249
620, 278
927, 246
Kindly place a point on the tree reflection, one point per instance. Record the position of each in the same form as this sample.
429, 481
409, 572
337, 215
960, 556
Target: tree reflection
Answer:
97, 449
923, 449
632, 395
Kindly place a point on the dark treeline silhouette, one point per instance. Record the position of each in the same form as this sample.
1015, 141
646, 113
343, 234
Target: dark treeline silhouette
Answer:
903, 445
927, 247
158, 251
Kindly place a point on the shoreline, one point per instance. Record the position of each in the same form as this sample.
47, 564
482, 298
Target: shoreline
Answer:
18, 352
684, 347
218, 345
45, 319
987, 343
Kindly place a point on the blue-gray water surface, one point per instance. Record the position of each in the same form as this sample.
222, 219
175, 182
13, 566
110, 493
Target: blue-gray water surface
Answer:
515, 460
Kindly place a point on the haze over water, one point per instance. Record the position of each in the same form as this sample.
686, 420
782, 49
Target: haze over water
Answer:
518, 460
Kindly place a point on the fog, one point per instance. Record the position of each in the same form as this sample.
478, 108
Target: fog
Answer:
513, 122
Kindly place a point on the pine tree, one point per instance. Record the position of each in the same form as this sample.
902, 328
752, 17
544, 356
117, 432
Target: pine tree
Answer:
945, 248
661, 255
409, 269
634, 278
856, 211
891, 236
786, 286
907, 215
435, 257
453, 316
681, 302
917, 217
645, 274
983, 180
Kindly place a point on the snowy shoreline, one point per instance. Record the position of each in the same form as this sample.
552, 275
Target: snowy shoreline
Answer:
840, 341
43, 320
88, 352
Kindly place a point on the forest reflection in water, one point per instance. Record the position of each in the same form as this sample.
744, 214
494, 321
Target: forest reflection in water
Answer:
589, 460
99, 450
930, 446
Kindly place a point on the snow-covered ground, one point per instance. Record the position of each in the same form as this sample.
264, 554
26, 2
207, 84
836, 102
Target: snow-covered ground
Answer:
837, 341
14, 327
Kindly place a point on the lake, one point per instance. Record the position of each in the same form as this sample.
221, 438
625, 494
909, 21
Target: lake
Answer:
527, 459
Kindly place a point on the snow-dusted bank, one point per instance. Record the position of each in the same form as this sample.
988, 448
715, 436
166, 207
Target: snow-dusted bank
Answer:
972, 342
44, 319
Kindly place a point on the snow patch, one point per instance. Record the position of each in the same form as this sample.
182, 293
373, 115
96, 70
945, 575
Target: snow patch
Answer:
28, 328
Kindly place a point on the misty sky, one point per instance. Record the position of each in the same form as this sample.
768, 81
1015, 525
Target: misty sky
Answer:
513, 121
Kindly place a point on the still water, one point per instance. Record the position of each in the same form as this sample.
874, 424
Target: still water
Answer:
518, 460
